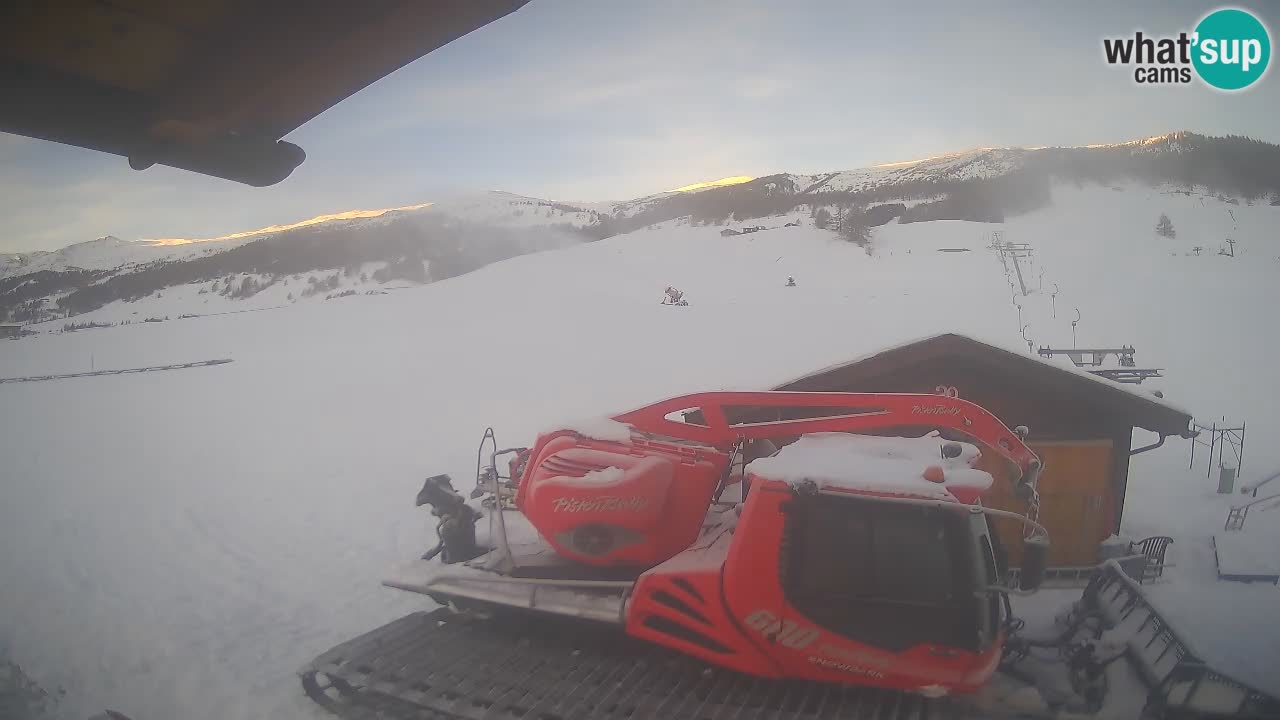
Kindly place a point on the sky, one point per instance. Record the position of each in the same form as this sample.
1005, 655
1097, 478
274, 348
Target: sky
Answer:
595, 100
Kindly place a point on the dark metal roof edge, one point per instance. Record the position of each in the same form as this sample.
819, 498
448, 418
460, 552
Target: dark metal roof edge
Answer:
1150, 413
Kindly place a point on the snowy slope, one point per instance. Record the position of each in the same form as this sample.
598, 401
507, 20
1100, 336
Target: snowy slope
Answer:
1207, 320
969, 165
177, 544
105, 253
458, 234
940, 181
200, 300
511, 210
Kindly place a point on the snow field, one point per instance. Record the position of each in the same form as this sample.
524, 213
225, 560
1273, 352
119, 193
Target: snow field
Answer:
177, 544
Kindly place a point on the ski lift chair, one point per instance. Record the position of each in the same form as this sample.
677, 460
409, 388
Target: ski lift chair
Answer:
1153, 548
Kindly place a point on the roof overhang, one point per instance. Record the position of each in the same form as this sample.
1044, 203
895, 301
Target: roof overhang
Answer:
1139, 407
209, 86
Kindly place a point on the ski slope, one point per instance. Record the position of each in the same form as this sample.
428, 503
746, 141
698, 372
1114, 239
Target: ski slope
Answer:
178, 544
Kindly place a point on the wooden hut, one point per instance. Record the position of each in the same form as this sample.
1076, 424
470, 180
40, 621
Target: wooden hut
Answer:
1081, 427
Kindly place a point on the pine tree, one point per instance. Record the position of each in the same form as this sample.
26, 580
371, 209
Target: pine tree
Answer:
853, 225
1164, 227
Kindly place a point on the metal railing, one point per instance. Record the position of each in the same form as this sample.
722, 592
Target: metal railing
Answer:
1237, 514
1182, 683
1254, 487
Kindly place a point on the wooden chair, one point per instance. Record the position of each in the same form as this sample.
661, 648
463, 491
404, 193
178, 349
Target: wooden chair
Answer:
1153, 548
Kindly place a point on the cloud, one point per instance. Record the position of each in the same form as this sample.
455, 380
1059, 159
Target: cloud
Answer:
658, 61
761, 87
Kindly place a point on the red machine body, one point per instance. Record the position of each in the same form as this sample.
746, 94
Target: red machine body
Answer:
729, 606
841, 585
611, 503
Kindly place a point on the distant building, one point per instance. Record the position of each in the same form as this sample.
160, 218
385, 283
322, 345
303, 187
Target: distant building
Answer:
10, 330
729, 232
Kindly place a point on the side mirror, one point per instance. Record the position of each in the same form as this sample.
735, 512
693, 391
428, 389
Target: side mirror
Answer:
1035, 558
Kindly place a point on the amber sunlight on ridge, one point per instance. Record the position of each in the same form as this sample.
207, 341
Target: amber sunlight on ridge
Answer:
735, 180
348, 215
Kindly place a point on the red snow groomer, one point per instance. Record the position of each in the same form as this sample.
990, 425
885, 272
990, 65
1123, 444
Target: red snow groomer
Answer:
842, 558
782, 548
759, 555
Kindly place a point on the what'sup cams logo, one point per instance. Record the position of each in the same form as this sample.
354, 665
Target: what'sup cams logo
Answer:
1229, 49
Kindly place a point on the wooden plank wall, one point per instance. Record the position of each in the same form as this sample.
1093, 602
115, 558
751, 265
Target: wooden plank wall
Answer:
1077, 501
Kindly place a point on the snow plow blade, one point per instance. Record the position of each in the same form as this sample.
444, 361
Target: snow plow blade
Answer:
1181, 684
439, 664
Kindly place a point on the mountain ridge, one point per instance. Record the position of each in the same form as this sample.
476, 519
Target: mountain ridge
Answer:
433, 241
973, 163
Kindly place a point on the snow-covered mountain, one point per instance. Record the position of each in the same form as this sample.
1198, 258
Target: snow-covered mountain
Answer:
112, 253
976, 164
363, 250
972, 164
105, 253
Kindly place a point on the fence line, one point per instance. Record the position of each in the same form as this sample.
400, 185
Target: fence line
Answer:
126, 371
